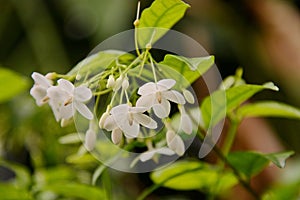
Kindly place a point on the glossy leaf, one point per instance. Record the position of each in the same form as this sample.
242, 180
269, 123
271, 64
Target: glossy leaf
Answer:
10, 192
77, 190
279, 158
214, 106
11, 84
190, 68
191, 175
158, 18
268, 109
248, 163
99, 61
251, 163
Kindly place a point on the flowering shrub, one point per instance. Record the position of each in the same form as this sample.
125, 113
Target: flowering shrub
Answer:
137, 114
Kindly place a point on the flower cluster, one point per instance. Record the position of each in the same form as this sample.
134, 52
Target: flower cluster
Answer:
64, 98
126, 121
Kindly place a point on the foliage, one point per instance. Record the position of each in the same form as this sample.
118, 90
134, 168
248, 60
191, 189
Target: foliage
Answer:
187, 174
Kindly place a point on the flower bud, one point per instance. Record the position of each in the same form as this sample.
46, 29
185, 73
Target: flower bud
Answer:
110, 82
116, 136
51, 76
90, 139
125, 83
188, 96
118, 83
103, 119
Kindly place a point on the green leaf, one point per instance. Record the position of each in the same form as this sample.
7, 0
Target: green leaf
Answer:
214, 106
10, 192
11, 84
77, 190
248, 163
268, 109
191, 175
71, 138
279, 158
290, 191
23, 178
251, 163
190, 68
100, 61
158, 18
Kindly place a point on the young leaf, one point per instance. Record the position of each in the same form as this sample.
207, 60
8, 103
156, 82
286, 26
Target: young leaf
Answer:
190, 68
268, 109
213, 106
279, 158
77, 190
158, 18
11, 84
191, 175
9, 192
251, 163
248, 163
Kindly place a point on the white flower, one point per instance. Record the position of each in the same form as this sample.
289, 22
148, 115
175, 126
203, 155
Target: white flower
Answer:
147, 155
175, 142
128, 119
157, 96
185, 121
39, 89
65, 99
90, 136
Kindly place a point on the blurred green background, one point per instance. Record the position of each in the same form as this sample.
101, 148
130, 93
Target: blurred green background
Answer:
263, 37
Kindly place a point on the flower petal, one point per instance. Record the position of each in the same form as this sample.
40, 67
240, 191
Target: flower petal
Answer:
66, 85
148, 88
110, 123
116, 136
174, 96
162, 110
137, 109
120, 110
83, 110
165, 151
165, 84
175, 143
41, 80
147, 155
66, 112
82, 93
130, 130
146, 101
186, 124
188, 96
38, 93
145, 121
90, 139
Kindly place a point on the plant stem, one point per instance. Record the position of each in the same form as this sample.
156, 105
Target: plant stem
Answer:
230, 136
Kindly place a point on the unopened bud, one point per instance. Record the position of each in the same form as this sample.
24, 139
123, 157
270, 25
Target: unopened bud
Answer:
103, 119
136, 22
116, 136
119, 82
90, 139
51, 75
110, 82
125, 83
188, 96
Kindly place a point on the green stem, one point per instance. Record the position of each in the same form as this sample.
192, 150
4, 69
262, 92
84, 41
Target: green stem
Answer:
230, 136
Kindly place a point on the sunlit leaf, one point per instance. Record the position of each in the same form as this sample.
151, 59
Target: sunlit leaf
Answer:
10, 192
291, 191
162, 14
11, 84
189, 68
268, 109
213, 106
191, 175
71, 189
251, 163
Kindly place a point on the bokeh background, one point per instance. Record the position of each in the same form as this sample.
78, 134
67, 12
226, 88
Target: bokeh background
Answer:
261, 36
